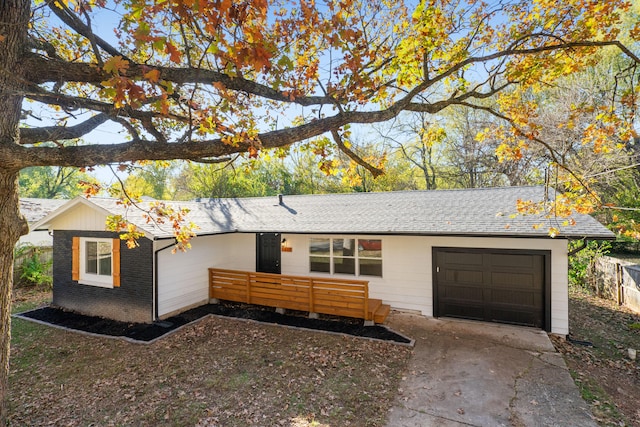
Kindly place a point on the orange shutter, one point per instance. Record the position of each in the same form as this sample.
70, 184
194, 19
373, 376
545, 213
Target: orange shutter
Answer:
115, 257
75, 259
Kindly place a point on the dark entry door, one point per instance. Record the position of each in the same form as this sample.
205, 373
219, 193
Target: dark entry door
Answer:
491, 285
268, 253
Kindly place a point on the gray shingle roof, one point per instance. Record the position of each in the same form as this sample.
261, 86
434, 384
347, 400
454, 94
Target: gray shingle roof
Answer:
35, 209
474, 212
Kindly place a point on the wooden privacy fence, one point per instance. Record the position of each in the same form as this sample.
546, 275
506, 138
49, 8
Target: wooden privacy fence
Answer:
339, 297
617, 279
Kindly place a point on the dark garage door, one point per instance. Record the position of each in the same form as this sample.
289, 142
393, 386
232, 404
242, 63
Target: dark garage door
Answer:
491, 285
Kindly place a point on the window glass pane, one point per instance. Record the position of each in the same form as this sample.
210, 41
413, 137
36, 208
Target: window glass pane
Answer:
344, 247
319, 247
370, 248
105, 249
91, 249
344, 265
320, 264
105, 266
104, 258
370, 267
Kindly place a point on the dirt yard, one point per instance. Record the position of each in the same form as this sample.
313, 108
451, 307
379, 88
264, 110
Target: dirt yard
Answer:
600, 364
218, 372
223, 372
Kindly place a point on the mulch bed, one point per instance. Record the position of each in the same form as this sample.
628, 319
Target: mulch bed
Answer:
146, 332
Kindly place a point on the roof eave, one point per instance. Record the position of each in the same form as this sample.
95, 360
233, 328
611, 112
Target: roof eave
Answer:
44, 223
413, 233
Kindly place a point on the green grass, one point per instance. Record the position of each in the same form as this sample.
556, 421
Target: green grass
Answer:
24, 333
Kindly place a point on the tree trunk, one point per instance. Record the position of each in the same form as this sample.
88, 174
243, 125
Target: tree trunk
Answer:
14, 21
13, 225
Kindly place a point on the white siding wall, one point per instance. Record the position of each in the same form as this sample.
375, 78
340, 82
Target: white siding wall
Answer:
407, 281
37, 238
183, 277
80, 217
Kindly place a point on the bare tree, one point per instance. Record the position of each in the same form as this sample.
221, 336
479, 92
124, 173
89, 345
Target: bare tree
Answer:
417, 138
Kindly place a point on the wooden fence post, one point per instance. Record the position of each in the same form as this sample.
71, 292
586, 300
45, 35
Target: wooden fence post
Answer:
366, 301
618, 282
248, 288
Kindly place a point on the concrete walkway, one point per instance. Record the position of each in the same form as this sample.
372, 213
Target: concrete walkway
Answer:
467, 373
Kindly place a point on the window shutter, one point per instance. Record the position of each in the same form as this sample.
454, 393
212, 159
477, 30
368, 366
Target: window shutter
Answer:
115, 256
75, 259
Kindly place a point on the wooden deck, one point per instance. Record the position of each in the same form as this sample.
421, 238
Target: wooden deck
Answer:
349, 298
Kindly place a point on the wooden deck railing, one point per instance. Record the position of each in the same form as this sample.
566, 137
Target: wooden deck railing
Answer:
340, 297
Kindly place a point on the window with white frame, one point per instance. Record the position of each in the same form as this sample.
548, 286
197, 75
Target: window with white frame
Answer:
96, 263
358, 257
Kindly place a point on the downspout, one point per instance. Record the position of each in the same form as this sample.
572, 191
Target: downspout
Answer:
155, 280
579, 248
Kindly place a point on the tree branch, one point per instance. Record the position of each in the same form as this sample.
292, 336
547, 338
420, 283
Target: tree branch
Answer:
55, 133
46, 70
92, 39
67, 16
139, 149
376, 172
459, 100
147, 123
97, 154
70, 103
215, 161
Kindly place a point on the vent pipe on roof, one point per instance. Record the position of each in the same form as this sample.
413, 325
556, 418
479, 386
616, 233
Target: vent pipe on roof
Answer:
280, 199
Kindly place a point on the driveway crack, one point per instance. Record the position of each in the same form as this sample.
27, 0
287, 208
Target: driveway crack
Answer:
440, 417
514, 417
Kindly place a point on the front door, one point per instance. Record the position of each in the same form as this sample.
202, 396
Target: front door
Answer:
268, 253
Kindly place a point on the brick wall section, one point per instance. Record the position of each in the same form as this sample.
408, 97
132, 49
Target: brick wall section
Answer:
131, 302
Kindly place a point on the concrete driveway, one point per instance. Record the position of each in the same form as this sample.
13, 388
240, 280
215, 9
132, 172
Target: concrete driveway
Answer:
467, 373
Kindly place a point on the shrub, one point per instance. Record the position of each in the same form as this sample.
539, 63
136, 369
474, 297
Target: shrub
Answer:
582, 262
33, 270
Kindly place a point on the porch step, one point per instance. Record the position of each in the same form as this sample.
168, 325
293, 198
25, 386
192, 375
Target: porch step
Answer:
381, 313
378, 311
374, 304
